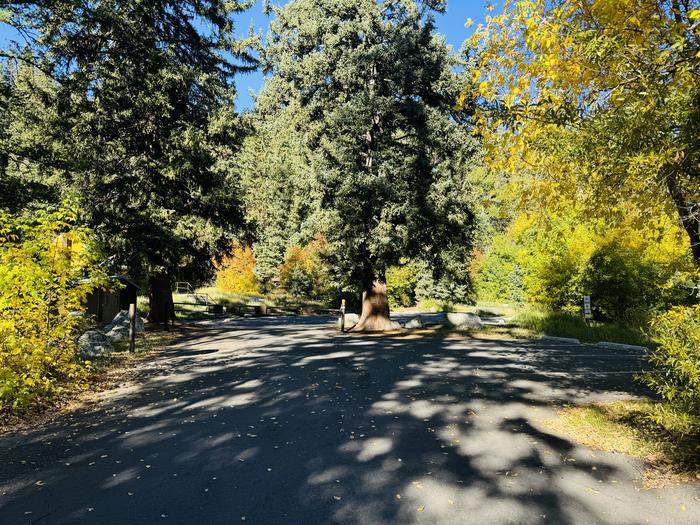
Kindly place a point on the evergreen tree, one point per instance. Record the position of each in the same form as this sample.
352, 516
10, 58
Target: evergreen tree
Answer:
143, 116
375, 91
275, 170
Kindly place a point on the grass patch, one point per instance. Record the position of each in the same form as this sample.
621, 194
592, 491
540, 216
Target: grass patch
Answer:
633, 428
528, 322
221, 297
567, 325
146, 343
482, 308
489, 309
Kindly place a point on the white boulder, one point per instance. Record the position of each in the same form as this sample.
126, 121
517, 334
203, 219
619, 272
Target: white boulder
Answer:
122, 320
464, 321
350, 321
118, 332
95, 344
416, 322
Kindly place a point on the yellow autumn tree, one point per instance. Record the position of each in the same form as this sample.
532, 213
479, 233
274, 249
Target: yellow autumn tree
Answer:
304, 273
235, 273
44, 259
598, 100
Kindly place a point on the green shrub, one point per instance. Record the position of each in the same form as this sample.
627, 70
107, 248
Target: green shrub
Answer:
497, 274
401, 285
42, 265
676, 360
298, 283
562, 324
621, 284
453, 287
629, 269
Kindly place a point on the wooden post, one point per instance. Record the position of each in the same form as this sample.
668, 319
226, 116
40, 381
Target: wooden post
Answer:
132, 328
342, 316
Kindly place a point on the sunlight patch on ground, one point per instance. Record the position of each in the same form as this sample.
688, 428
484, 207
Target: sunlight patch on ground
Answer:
125, 476
253, 383
375, 447
324, 357
328, 476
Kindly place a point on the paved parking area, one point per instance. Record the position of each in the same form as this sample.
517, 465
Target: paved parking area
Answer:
284, 421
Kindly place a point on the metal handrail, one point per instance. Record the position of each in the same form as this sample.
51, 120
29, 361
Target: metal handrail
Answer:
184, 288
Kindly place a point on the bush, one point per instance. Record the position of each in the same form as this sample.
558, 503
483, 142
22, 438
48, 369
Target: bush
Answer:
621, 284
453, 287
235, 273
298, 282
564, 324
629, 268
676, 377
401, 285
497, 274
553, 259
304, 273
42, 265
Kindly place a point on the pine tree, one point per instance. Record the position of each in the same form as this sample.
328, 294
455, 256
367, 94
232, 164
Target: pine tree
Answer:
144, 115
376, 89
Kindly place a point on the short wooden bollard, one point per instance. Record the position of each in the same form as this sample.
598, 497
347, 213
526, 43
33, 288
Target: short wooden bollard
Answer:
132, 328
342, 316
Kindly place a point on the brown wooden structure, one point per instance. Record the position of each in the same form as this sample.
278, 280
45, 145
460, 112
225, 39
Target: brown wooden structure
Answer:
105, 304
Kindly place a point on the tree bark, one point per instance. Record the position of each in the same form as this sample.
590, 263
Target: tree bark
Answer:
375, 310
162, 308
689, 213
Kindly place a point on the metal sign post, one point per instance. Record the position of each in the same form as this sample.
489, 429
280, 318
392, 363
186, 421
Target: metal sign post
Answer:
587, 308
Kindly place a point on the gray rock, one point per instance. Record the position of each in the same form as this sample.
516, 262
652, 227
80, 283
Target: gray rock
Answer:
416, 322
118, 332
619, 346
95, 344
464, 321
563, 340
122, 319
350, 321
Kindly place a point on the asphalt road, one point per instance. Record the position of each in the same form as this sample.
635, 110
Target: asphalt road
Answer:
284, 421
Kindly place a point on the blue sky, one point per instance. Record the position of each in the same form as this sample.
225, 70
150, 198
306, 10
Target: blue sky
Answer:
451, 24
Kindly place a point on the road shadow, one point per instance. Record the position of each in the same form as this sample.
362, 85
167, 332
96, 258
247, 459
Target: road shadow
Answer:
278, 422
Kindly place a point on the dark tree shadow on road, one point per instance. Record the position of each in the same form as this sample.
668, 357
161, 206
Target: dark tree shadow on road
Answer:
276, 423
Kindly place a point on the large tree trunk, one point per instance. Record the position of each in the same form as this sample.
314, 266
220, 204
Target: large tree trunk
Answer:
375, 310
689, 213
162, 309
